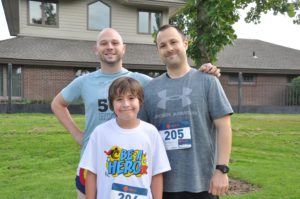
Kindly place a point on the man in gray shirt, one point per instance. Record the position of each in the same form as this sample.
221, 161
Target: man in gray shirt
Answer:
192, 114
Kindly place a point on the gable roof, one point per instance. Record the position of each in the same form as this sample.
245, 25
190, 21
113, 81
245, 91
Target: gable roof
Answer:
74, 53
270, 59
257, 56
11, 11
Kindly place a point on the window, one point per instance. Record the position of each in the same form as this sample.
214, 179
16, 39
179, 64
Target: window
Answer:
16, 81
98, 16
148, 22
247, 78
43, 12
1, 81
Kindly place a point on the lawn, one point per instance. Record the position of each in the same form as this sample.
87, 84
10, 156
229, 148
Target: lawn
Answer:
39, 158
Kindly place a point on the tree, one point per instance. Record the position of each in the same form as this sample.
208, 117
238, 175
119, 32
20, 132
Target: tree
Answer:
209, 23
294, 92
50, 14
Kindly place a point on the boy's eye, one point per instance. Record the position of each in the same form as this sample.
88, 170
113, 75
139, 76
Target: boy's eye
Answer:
131, 97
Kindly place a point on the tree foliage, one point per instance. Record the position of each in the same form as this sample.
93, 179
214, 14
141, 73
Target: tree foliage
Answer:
209, 23
294, 94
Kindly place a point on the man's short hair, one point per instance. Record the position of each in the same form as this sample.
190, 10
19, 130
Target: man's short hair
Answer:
164, 27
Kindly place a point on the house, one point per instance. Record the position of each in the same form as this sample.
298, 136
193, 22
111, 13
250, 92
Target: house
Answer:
267, 71
55, 38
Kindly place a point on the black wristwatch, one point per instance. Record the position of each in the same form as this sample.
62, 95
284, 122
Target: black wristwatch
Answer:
223, 168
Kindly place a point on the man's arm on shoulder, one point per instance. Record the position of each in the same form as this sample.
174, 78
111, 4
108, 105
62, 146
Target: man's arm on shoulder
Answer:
60, 108
219, 183
210, 69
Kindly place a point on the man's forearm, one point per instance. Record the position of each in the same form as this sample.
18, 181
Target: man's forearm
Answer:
224, 140
60, 109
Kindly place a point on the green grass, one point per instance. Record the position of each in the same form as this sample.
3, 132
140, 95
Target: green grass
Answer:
38, 158
266, 153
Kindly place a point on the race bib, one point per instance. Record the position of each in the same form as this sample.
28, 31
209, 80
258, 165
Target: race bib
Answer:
120, 191
176, 135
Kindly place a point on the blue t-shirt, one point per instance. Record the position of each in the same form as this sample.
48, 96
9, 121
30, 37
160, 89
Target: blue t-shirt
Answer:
92, 90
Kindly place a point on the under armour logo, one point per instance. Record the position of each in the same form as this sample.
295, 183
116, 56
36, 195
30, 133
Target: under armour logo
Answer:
185, 100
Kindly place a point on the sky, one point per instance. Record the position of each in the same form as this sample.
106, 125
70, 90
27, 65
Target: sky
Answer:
278, 30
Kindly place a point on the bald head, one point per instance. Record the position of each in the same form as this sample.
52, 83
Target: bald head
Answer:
110, 50
109, 34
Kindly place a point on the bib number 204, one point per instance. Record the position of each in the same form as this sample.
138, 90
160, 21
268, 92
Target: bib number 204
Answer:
174, 134
126, 196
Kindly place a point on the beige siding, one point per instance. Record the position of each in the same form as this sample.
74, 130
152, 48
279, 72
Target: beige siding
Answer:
73, 22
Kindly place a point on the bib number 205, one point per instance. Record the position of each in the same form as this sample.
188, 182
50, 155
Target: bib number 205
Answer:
174, 134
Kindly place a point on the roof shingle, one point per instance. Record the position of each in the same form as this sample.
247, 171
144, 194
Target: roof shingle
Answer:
271, 58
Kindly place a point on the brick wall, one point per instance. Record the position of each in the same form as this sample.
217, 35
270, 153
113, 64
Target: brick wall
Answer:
266, 90
43, 83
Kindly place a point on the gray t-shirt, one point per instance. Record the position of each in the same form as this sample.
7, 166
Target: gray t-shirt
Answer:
183, 110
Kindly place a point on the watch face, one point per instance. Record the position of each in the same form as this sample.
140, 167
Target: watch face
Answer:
223, 168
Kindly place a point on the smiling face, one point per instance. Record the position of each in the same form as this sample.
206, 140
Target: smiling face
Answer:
110, 48
172, 47
126, 107
125, 97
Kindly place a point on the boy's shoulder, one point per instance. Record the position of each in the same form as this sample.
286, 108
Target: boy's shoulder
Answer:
149, 128
146, 124
105, 125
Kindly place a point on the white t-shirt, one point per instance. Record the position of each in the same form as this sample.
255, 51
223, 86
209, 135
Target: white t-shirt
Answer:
125, 160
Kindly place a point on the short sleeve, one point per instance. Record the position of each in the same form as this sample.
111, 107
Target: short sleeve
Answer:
88, 160
161, 162
72, 92
218, 103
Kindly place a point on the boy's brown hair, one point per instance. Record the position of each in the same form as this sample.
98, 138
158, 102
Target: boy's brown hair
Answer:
123, 85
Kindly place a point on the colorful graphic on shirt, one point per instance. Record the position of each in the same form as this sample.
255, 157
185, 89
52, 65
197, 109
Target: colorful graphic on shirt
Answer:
127, 162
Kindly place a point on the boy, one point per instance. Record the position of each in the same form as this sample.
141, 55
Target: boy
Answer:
125, 157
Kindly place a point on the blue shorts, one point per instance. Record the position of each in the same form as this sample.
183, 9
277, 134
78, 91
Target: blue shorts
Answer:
80, 180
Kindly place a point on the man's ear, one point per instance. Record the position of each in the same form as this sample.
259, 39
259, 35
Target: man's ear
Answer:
186, 43
95, 49
124, 48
